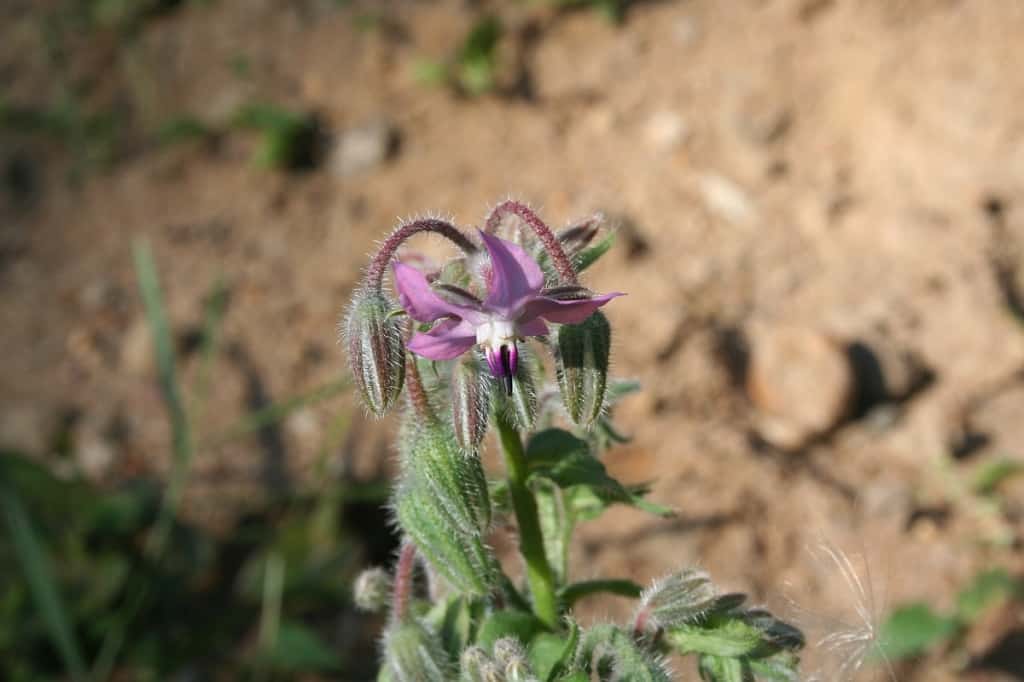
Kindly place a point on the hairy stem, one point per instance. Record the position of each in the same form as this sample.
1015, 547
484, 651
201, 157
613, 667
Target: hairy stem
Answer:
551, 244
403, 580
416, 393
531, 542
379, 264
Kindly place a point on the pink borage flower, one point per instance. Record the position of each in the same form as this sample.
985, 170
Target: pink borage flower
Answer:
516, 306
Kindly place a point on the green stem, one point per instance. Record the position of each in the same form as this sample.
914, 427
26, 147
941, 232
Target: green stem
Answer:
531, 542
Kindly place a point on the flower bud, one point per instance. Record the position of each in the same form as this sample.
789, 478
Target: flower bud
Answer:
471, 402
443, 504
581, 364
577, 237
412, 653
372, 590
476, 666
676, 599
376, 350
510, 656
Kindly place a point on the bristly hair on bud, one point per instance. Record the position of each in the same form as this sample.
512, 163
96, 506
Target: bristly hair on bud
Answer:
471, 401
582, 353
372, 590
413, 653
676, 599
373, 335
442, 502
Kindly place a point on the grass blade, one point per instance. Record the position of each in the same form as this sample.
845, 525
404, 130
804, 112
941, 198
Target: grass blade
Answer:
163, 345
254, 421
42, 584
216, 303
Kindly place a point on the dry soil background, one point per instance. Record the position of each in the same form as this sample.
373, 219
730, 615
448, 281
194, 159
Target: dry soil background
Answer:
821, 214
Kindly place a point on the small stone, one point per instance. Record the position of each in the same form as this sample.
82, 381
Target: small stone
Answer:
666, 130
94, 454
727, 200
801, 382
363, 148
889, 500
686, 31
304, 427
763, 119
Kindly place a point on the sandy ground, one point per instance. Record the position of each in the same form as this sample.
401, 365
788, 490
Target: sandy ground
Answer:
819, 207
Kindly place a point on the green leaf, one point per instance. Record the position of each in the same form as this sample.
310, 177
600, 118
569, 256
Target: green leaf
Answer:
574, 677
182, 129
456, 626
568, 653
588, 256
720, 636
992, 474
576, 591
300, 649
549, 446
724, 669
544, 653
41, 582
914, 628
482, 40
507, 623
561, 457
782, 667
163, 344
556, 524
988, 588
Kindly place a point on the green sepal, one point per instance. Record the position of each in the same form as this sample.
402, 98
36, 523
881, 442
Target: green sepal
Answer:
582, 354
590, 255
442, 502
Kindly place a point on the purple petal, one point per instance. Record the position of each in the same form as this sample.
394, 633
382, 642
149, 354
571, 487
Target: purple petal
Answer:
514, 275
534, 327
419, 299
447, 340
563, 312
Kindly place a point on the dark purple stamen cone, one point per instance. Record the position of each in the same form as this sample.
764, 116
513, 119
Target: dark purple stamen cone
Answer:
507, 369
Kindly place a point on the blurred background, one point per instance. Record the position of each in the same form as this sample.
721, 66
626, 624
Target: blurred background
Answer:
820, 222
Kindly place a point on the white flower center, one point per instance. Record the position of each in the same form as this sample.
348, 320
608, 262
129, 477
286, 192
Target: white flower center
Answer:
496, 333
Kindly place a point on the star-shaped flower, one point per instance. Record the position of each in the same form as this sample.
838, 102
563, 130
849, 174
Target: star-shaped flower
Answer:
516, 306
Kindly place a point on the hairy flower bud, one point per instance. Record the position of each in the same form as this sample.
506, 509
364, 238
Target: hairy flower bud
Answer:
511, 657
676, 599
476, 666
443, 504
376, 351
412, 653
471, 402
372, 590
581, 364
577, 237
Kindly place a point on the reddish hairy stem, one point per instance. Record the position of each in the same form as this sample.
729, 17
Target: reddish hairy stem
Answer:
551, 244
403, 581
640, 622
417, 395
379, 264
